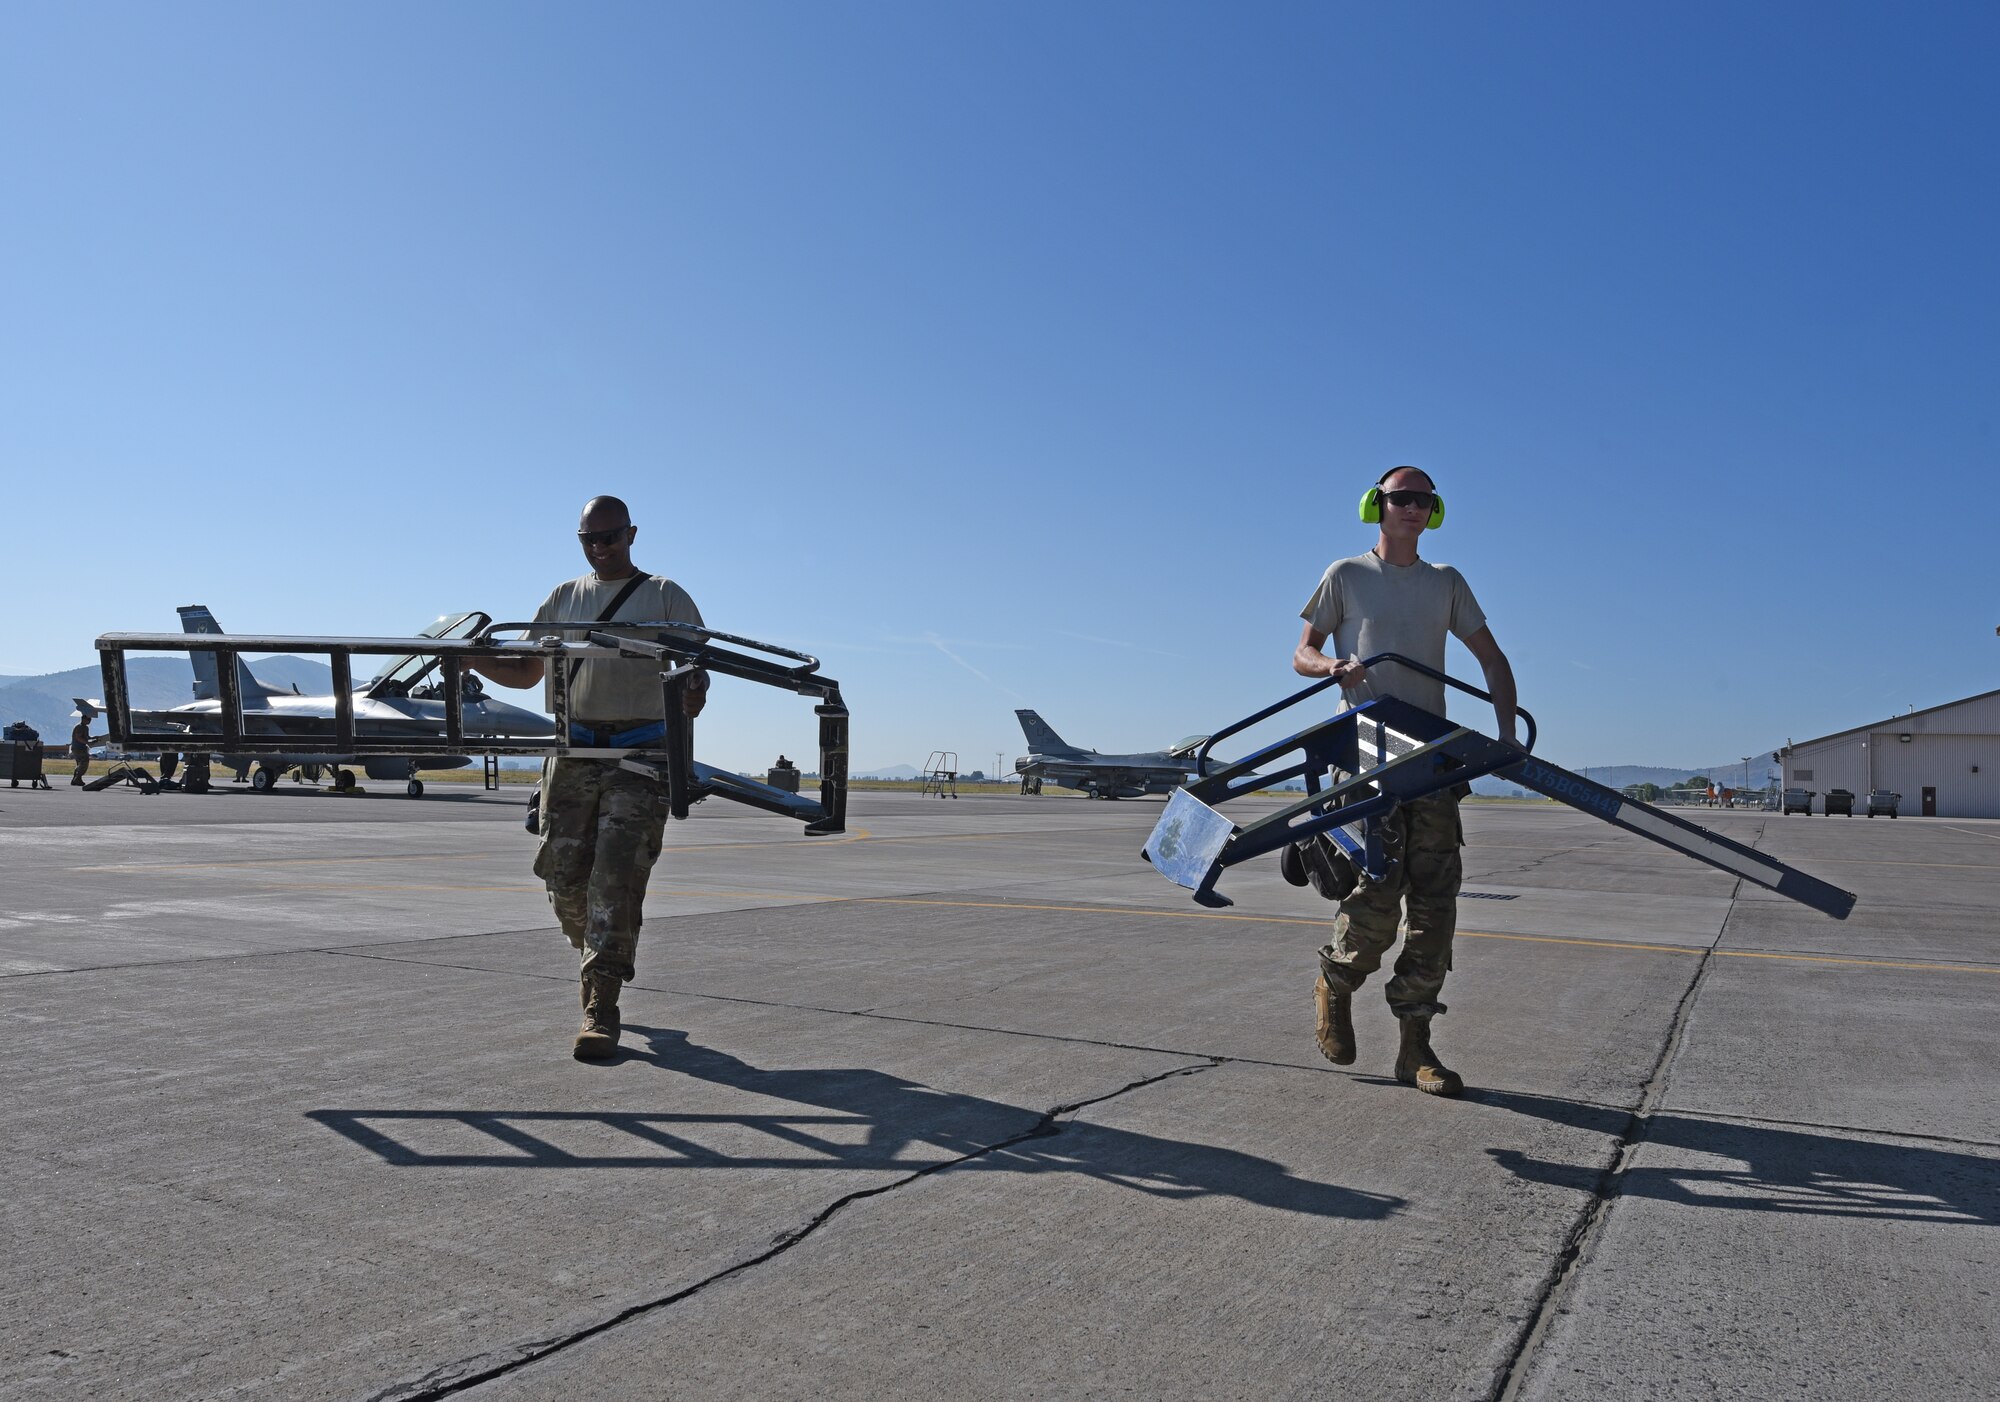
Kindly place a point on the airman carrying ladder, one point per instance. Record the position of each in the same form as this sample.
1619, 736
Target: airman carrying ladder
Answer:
1360, 765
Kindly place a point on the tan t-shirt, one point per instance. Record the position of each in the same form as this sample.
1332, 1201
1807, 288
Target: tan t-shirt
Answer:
1366, 605
614, 689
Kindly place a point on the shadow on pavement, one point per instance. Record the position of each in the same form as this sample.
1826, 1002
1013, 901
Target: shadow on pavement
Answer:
868, 1120
1763, 1168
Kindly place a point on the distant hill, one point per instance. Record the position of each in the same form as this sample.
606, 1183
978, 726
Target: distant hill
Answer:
1623, 776
894, 771
156, 683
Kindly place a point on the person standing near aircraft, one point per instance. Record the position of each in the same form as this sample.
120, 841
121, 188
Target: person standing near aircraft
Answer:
79, 749
601, 826
1389, 600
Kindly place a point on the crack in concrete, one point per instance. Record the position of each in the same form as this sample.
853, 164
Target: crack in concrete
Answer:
448, 1379
1541, 861
1559, 1281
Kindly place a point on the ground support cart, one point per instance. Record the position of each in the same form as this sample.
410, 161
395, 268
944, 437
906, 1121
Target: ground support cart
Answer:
22, 756
1362, 764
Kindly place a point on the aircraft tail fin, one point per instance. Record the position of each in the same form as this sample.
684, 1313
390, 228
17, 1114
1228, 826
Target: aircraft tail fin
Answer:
195, 618
1042, 737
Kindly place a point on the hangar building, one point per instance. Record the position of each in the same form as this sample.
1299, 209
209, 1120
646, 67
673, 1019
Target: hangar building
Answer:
1944, 761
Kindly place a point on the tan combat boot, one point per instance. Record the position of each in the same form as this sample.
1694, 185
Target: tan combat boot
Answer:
597, 1039
1333, 1026
1417, 1065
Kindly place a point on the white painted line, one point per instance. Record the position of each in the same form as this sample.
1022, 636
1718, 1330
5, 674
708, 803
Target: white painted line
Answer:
1970, 833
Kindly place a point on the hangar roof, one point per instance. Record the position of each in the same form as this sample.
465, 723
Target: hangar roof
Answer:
1891, 720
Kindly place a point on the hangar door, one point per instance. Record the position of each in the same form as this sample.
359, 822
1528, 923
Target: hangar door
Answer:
1943, 762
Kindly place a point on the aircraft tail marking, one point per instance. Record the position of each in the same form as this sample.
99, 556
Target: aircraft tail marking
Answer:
1042, 738
195, 618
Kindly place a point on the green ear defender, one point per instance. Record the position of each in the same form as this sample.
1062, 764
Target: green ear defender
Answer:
1371, 504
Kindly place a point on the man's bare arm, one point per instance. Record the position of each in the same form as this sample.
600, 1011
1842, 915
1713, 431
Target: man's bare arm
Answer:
1499, 679
1309, 661
509, 671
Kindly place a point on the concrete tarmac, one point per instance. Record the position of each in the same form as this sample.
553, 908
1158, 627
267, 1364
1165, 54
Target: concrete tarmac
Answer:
971, 1103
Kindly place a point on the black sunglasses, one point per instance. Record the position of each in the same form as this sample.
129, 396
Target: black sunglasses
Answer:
1409, 498
609, 537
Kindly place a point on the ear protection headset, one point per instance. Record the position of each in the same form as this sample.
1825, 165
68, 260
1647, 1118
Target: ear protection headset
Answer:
1371, 500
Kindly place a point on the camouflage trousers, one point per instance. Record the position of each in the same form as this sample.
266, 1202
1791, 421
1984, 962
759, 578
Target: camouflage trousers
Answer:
1424, 838
601, 831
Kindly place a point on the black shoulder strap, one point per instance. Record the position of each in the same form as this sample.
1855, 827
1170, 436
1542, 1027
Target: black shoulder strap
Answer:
611, 610
618, 599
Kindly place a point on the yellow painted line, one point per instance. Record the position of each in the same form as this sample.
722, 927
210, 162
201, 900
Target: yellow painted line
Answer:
1869, 963
358, 886
1469, 934
1083, 909
1588, 944
859, 835
538, 890
297, 861
878, 841
863, 834
1879, 862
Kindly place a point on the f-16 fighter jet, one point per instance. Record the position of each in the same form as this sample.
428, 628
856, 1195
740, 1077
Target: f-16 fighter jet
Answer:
1101, 776
395, 703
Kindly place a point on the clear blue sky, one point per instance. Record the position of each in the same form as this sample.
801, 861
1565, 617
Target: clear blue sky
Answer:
1029, 354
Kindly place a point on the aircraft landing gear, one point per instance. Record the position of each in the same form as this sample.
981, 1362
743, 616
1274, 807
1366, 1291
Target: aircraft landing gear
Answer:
415, 788
343, 780
264, 778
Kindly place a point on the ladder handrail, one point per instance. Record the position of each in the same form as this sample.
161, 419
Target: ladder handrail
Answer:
1201, 756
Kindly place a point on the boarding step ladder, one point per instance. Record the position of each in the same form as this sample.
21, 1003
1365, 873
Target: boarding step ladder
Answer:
941, 774
1362, 764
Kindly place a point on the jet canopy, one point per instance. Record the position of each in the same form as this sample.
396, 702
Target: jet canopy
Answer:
400, 675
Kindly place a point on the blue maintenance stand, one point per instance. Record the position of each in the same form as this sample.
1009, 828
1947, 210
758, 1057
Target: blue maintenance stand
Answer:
1362, 764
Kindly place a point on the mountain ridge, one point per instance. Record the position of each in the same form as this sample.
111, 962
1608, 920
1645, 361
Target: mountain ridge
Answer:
47, 702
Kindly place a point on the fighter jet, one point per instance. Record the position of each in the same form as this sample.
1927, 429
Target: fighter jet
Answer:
396, 702
1056, 761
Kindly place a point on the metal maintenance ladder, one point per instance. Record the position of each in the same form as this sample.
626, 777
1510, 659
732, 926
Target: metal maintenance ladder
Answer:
677, 649
1362, 764
941, 774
